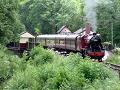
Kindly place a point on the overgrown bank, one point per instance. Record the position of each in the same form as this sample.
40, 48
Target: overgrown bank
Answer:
8, 65
115, 57
45, 70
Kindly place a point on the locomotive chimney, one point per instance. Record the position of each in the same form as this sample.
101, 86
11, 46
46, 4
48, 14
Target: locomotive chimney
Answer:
88, 28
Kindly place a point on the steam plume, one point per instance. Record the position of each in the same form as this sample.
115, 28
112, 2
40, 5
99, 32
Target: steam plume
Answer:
90, 12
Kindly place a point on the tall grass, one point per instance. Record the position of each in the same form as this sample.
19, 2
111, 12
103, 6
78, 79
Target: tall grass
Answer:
115, 57
45, 70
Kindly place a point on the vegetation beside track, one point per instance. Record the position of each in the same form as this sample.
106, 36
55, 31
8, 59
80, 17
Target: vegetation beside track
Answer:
43, 69
115, 57
8, 65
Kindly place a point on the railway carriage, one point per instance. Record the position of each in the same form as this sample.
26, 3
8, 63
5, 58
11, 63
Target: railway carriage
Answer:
65, 42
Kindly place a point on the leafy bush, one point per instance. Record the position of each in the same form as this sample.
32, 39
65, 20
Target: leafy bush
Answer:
24, 80
56, 72
39, 56
8, 64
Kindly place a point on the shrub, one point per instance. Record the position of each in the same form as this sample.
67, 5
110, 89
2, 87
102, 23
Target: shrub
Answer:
8, 64
39, 56
93, 71
24, 80
62, 73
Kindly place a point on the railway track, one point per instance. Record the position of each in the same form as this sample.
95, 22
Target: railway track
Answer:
115, 67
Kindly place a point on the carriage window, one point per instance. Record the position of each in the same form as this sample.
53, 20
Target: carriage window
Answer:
62, 41
72, 42
56, 41
42, 41
67, 41
50, 42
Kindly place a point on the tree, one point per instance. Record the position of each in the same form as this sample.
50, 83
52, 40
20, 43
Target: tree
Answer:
50, 15
10, 24
108, 14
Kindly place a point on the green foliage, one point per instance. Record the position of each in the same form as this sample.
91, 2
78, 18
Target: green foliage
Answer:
55, 72
10, 24
107, 14
41, 56
8, 65
92, 71
50, 15
115, 59
37, 31
26, 80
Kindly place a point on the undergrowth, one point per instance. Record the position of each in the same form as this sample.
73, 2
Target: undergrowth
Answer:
8, 65
45, 70
115, 57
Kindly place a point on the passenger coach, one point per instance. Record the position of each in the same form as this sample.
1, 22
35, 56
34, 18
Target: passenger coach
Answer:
66, 42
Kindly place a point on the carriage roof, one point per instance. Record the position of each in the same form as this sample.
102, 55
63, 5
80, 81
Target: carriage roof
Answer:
58, 36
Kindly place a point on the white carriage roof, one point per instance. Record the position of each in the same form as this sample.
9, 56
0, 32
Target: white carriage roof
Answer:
26, 35
72, 36
57, 36
51, 36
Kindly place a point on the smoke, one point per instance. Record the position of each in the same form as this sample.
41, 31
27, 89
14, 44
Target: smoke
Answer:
90, 12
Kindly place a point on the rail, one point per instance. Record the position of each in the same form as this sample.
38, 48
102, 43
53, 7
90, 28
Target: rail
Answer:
115, 67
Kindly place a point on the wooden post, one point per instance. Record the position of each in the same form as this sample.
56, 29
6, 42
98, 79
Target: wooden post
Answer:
28, 43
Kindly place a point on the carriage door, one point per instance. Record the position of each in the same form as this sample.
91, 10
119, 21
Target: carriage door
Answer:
83, 43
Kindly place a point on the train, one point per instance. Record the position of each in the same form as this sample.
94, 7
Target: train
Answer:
71, 42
